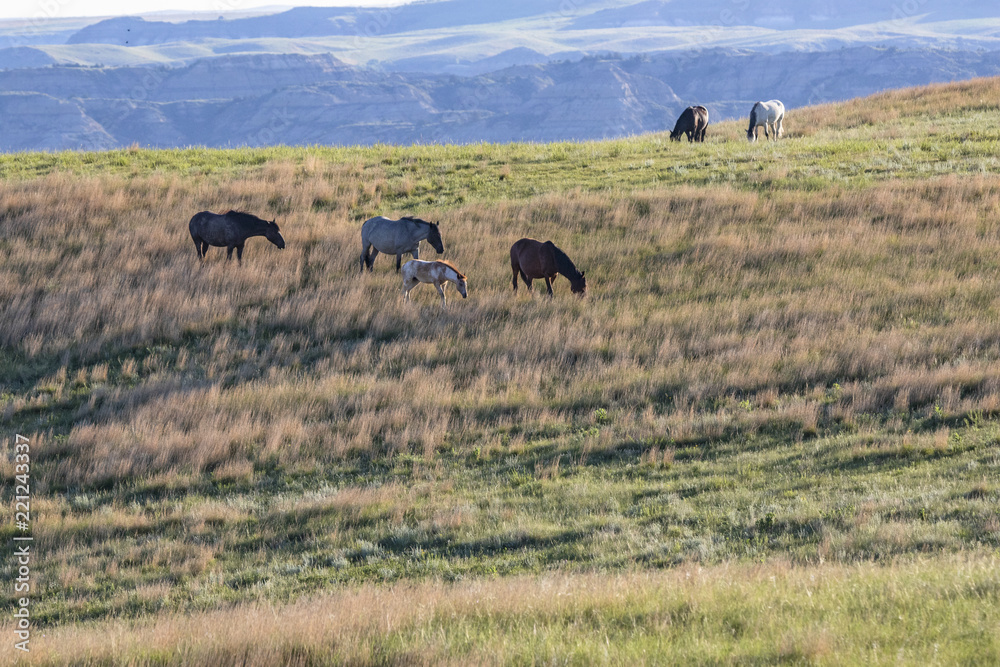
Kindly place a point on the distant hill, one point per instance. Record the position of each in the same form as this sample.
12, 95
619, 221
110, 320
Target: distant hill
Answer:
464, 70
571, 14
295, 99
469, 37
781, 14
315, 21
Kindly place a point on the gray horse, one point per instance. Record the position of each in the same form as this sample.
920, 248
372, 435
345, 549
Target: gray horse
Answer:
396, 237
230, 230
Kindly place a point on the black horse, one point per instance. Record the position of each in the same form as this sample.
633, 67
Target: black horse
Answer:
692, 122
230, 230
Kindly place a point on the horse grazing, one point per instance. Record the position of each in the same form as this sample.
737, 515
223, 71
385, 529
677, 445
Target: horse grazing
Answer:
395, 237
230, 230
693, 122
769, 114
534, 259
418, 271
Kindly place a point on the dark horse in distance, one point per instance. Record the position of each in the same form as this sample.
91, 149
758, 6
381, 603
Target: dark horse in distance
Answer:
534, 259
395, 237
693, 122
230, 230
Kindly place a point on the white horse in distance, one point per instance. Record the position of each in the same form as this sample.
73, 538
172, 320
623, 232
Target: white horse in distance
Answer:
439, 272
769, 114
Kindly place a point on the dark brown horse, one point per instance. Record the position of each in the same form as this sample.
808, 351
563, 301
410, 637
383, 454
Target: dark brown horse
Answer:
534, 259
230, 230
693, 122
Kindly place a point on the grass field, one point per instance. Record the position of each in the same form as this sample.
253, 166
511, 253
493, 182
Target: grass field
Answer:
768, 434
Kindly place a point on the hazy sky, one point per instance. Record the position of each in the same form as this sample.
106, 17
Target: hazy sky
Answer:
35, 9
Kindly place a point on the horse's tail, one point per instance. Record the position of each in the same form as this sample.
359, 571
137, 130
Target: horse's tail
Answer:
700, 122
364, 247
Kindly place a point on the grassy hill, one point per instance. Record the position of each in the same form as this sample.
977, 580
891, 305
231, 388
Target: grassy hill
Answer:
769, 432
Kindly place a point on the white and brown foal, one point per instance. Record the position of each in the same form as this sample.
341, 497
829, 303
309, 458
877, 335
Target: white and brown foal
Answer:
439, 272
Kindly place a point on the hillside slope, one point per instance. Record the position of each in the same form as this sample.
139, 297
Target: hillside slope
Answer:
770, 431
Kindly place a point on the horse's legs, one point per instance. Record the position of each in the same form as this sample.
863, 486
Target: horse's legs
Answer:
407, 286
548, 285
368, 254
197, 247
204, 249
515, 266
441, 287
229, 252
239, 254
526, 279
399, 261
778, 131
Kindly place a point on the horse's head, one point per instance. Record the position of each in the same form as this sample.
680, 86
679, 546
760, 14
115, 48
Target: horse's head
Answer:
273, 235
675, 136
434, 237
462, 286
579, 286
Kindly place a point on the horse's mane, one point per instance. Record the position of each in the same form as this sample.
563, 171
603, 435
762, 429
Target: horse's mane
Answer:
248, 219
433, 233
410, 218
753, 112
563, 263
452, 267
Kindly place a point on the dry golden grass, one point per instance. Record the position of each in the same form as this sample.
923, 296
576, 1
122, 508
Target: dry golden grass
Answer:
888, 111
885, 108
732, 614
706, 294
